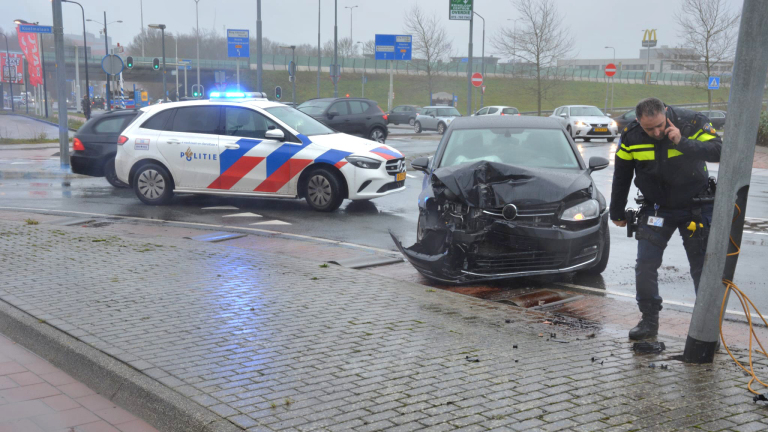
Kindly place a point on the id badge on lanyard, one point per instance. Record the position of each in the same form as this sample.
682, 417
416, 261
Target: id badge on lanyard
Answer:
655, 220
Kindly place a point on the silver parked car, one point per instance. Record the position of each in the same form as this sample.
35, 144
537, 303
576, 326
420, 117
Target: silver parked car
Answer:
587, 122
436, 118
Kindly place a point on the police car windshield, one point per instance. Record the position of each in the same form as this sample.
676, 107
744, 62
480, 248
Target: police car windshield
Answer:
299, 121
540, 148
314, 108
586, 111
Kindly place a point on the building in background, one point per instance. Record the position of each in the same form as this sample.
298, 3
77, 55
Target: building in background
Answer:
662, 59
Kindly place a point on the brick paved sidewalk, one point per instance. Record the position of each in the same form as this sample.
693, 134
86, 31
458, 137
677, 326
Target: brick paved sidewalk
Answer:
275, 343
35, 396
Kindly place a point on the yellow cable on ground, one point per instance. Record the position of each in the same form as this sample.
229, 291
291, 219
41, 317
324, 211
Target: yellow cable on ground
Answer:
745, 303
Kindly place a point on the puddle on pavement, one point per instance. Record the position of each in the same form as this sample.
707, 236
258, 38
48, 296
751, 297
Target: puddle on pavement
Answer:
538, 298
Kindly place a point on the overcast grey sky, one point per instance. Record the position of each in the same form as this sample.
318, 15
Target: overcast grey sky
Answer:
593, 23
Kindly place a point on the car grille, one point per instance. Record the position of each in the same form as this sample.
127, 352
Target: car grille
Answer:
599, 125
395, 166
536, 215
390, 186
518, 262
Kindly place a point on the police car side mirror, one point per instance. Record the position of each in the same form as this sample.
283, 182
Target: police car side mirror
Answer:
420, 164
275, 134
596, 163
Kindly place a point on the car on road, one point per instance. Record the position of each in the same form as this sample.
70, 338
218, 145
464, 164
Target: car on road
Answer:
586, 122
244, 145
497, 110
436, 118
717, 118
625, 119
95, 145
353, 116
403, 114
505, 197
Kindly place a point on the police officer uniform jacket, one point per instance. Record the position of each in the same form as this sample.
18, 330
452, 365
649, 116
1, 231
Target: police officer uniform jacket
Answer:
668, 175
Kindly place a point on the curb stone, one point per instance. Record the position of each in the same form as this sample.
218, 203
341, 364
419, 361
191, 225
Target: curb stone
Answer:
130, 389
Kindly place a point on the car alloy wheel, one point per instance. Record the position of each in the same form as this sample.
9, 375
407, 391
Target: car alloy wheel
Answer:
378, 135
319, 190
411, 122
441, 128
417, 127
151, 184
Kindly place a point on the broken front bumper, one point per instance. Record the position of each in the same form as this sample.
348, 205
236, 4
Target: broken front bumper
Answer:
504, 250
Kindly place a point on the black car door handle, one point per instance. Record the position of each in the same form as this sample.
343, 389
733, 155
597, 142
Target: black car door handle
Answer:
367, 118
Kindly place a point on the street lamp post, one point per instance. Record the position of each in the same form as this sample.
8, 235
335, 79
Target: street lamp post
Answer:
85, 53
293, 71
141, 9
514, 42
319, 58
162, 32
42, 62
8, 65
197, 38
176, 68
612, 78
363, 79
259, 64
106, 52
335, 48
350, 21
482, 62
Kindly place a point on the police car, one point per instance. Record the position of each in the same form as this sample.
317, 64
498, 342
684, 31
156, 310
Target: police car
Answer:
241, 144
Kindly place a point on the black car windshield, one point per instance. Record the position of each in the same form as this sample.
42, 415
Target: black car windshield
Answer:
535, 148
448, 112
586, 111
299, 121
314, 108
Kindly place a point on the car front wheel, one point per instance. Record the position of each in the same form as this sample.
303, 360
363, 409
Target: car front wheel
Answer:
417, 127
153, 185
412, 122
441, 128
378, 135
323, 191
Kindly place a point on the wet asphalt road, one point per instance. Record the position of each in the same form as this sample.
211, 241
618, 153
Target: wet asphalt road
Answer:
368, 223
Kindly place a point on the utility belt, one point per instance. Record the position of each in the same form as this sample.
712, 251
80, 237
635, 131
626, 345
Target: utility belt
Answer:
697, 222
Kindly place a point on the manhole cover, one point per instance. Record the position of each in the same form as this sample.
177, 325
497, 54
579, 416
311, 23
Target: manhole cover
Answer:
540, 298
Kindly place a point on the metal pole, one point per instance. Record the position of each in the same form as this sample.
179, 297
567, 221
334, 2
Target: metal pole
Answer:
319, 62
259, 66
24, 67
237, 67
186, 89
363, 80
106, 52
165, 91
77, 78
85, 55
176, 68
749, 76
482, 67
336, 50
61, 83
8, 65
45, 85
469, 68
390, 100
613, 77
295, 68
141, 8
197, 37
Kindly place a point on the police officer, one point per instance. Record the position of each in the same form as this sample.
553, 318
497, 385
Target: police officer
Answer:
666, 149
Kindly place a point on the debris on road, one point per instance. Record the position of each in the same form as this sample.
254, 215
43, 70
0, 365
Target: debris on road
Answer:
648, 347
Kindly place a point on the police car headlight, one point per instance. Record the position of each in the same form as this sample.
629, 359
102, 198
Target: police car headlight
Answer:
363, 162
583, 211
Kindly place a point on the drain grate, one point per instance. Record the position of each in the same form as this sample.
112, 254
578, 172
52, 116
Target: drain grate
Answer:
540, 299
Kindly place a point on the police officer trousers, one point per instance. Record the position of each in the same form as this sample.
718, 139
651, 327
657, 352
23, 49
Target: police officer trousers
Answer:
652, 240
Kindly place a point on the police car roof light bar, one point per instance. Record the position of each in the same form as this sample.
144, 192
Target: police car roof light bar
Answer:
237, 95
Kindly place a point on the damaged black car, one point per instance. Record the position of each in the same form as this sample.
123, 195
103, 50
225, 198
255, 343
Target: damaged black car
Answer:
507, 197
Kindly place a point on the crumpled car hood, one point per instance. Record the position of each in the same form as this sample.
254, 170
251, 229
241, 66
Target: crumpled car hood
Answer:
488, 185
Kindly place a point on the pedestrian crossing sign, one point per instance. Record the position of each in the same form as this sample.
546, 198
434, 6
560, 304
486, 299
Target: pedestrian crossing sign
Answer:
714, 83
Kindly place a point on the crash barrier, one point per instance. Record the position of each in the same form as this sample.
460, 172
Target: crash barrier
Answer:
623, 109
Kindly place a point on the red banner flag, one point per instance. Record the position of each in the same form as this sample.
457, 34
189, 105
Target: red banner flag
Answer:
11, 71
29, 45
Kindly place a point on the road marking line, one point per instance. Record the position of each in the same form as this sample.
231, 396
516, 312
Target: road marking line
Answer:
221, 208
410, 176
272, 222
243, 215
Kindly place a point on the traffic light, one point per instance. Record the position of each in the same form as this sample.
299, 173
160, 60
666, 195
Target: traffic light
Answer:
156, 63
129, 62
278, 92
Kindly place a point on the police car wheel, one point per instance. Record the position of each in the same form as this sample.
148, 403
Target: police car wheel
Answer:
111, 175
441, 128
378, 135
417, 127
153, 185
323, 191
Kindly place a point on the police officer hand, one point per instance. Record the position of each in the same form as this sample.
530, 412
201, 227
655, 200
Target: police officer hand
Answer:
620, 224
672, 132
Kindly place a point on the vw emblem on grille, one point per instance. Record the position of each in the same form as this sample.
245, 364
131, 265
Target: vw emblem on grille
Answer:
509, 212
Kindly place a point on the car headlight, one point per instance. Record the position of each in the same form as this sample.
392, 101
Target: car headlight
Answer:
363, 162
613, 123
583, 211
581, 124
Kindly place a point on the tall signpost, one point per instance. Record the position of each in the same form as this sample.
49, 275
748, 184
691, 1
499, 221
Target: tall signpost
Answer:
393, 48
610, 71
238, 46
649, 41
61, 80
461, 10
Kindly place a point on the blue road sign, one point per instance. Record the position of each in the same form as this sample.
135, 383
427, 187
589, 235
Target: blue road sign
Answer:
238, 44
714, 83
23, 28
90, 91
393, 47
188, 64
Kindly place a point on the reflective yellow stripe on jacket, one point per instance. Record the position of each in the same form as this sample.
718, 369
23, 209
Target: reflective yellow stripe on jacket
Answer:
635, 152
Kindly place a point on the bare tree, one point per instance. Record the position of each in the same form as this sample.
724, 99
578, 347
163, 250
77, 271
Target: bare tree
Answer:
347, 48
430, 42
708, 28
539, 42
369, 48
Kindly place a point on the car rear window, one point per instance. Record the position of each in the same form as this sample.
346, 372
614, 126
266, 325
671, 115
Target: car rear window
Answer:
158, 121
111, 125
357, 107
510, 111
199, 119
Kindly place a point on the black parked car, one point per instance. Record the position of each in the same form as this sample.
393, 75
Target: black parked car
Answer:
717, 118
625, 119
506, 197
403, 114
95, 145
354, 116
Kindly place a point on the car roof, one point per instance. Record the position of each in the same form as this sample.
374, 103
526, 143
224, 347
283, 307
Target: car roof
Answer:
578, 106
483, 122
256, 103
440, 106
340, 98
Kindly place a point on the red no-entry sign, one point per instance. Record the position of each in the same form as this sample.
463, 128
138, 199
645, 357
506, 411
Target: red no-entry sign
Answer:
477, 79
610, 69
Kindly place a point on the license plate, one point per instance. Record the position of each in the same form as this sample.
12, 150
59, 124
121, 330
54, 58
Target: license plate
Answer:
601, 129
400, 177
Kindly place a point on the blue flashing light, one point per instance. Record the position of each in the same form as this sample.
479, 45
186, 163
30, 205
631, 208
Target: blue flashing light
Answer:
234, 95
215, 94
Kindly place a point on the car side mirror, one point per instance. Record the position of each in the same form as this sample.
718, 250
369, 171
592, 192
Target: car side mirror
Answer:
596, 163
275, 134
563, 115
332, 114
421, 164
608, 115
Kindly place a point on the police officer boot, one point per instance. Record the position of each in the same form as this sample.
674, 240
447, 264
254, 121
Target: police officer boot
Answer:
649, 325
